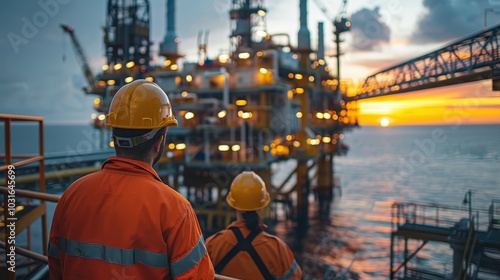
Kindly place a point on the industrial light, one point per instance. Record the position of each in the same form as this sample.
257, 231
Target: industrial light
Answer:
291, 75
223, 148
102, 117
244, 55
296, 144
266, 148
223, 58
112, 144
171, 146
101, 83
222, 114
189, 115
241, 102
298, 115
184, 94
261, 13
246, 115
167, 63
260, 53
262, 33
327, 116
111, 82
130, 64
189, 78
319, 115
263, 70
129, 79
321, 62
235, 148
149, 79
327, 139
312, 142
97, 101
298, 76
105, 67
174, 67
311, 79
180, 146
117, 66
289, 138
295, 56
299, 90
93, 116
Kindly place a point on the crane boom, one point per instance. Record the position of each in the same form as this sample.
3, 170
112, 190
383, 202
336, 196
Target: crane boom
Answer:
80, 55
323, 9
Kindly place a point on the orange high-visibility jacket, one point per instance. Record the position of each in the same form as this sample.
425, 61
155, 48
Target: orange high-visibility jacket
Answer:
275, 254
123, 223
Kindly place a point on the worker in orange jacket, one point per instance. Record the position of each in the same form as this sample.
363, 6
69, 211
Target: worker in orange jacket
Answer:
123, 222
244, 250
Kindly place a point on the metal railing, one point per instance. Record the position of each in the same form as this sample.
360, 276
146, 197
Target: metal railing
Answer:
10, 193
436, 215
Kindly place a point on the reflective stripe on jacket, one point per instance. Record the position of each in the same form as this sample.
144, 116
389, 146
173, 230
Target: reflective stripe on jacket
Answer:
124, 223
275, 254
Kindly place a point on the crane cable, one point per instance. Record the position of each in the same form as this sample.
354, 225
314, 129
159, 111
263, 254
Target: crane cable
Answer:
64, 47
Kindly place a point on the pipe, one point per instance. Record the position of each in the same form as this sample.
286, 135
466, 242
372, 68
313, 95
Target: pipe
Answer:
225, 92
275, 54
304, 36
170, 16
170, 45
321, 41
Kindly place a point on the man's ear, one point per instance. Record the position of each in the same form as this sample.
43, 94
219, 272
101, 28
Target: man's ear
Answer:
158, 142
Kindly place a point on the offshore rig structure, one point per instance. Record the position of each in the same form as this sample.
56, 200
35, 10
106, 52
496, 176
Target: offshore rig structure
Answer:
263, 101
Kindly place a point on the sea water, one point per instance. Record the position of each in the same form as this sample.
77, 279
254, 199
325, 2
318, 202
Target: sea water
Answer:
421, 164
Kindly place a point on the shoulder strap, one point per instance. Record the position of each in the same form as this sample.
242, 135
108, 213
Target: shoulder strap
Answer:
244, 244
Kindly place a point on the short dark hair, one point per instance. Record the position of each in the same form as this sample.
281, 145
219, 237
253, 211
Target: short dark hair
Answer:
137, 152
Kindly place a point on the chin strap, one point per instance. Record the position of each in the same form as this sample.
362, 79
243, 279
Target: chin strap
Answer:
129, 142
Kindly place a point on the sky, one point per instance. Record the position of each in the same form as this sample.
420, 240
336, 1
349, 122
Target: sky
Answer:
36, 80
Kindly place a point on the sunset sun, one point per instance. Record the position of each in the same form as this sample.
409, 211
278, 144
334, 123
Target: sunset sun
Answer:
384, 122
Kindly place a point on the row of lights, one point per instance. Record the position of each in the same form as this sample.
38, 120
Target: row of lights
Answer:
168, 63
226, 148
118, 66
100, 117
127, 80
299, 76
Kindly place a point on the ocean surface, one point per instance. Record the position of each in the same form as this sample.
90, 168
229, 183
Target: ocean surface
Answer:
421, 164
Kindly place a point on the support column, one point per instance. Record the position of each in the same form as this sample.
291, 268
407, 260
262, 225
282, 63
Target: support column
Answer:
325, 184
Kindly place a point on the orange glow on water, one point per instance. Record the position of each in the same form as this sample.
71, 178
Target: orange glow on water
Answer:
470, 103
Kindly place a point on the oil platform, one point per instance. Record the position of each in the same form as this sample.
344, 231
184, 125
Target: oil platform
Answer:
263, 101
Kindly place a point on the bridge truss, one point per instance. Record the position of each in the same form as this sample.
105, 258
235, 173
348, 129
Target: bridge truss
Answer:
469, 59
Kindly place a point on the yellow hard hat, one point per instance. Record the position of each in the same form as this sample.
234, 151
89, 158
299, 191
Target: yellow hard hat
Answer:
248, 192
140, 105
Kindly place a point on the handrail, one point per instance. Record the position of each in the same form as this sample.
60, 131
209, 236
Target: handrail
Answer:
433, 215
32, 194
27, 253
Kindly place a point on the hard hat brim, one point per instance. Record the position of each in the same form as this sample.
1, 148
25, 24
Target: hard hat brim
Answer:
263, 203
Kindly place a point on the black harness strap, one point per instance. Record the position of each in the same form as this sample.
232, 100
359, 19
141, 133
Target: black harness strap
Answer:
244, 244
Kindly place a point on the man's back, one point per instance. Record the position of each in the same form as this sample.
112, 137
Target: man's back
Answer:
123, 222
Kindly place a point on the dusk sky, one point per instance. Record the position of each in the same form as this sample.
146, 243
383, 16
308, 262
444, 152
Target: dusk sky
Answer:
36, 81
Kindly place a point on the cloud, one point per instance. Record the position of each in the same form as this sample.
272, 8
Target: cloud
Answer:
445, 20
368, 30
